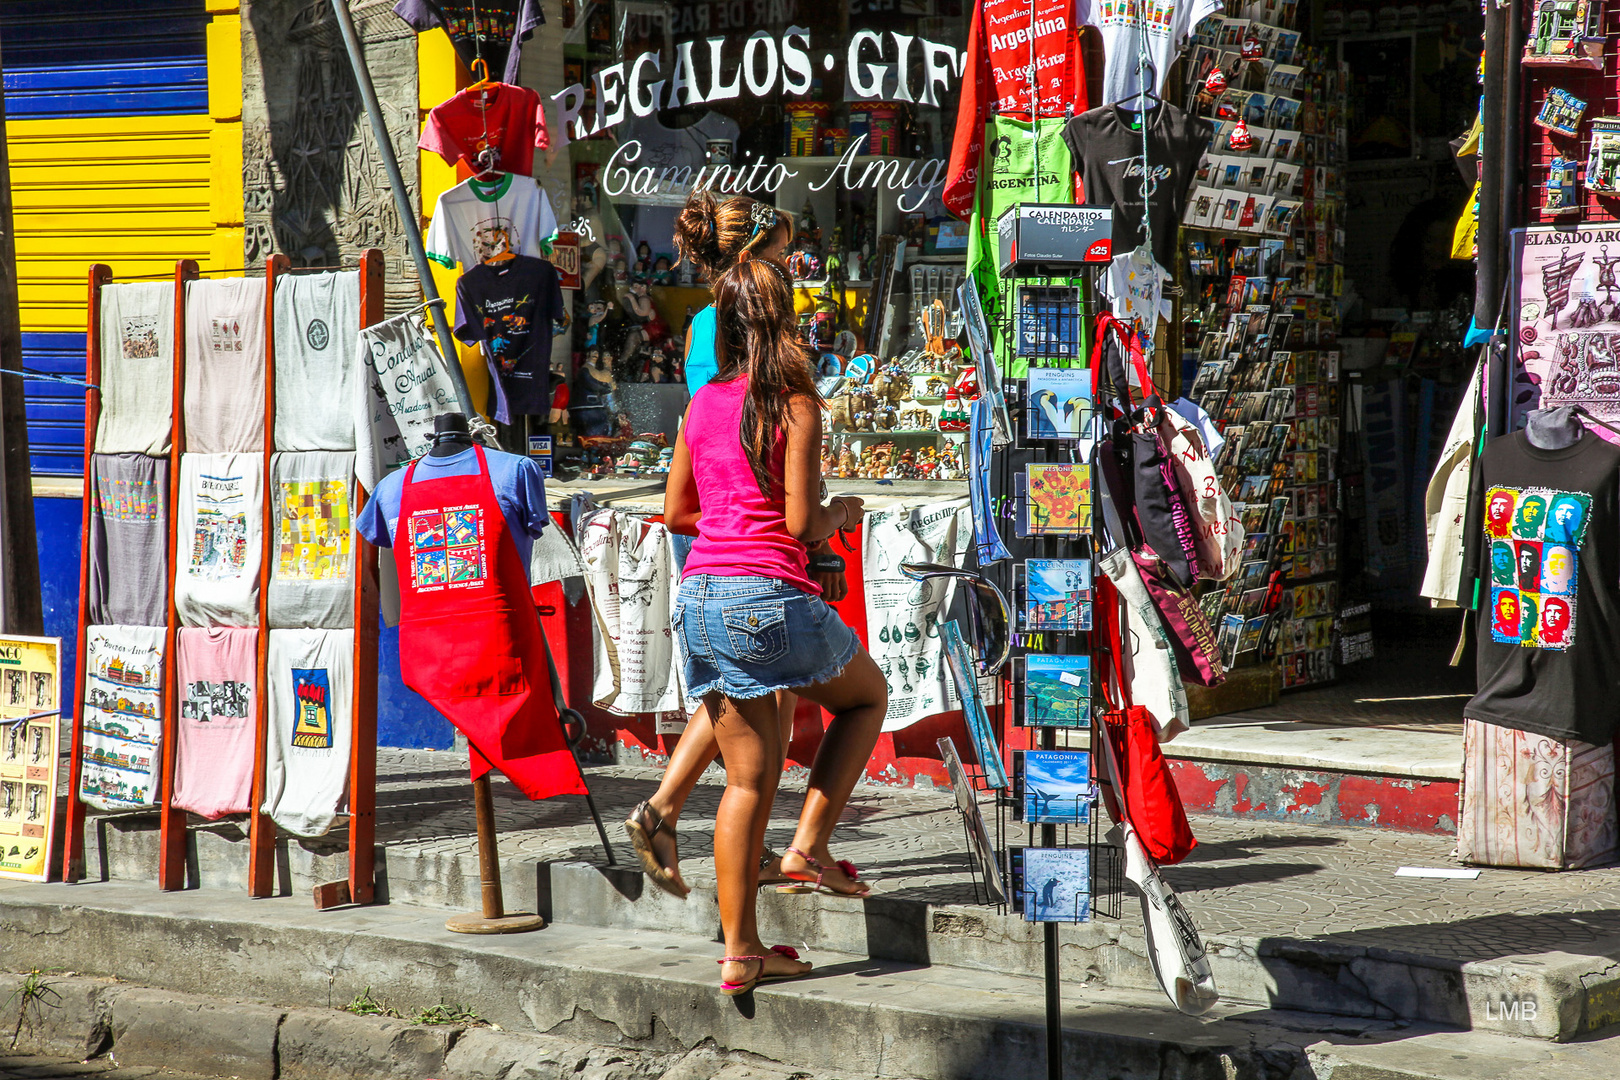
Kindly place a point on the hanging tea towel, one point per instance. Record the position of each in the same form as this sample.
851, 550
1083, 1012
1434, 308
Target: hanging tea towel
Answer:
221, 523
219, 697
646, 645
312, 552
123, 716
306, 770
137, 368
598, 534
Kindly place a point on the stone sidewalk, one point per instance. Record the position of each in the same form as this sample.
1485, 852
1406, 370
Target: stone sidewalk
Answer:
1250, 878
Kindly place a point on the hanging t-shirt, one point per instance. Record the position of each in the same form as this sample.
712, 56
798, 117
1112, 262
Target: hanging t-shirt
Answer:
312, 558
477, 219
635, 611
496, 127
520, 488
310, 676
123, 716
491, 30
402, 387
663, 147
218, 673
224, 405
315, 373
996, 81
1109, 150
1544, 541
137, 368
1164, 26
1136, 287
221, 529
509, 309
129, 540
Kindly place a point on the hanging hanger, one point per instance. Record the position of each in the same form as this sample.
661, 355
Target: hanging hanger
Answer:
481, 69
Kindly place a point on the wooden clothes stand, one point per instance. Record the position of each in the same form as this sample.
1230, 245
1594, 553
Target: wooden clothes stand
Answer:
360, 885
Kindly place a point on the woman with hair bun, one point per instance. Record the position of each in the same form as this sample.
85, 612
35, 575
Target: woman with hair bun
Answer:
713, 236
750, 622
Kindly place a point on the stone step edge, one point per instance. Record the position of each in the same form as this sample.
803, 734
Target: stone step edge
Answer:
972, 1030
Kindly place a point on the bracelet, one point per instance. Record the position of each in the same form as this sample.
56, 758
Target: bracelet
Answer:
845, 523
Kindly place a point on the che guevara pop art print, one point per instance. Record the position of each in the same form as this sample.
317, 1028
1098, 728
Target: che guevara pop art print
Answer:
1535, 541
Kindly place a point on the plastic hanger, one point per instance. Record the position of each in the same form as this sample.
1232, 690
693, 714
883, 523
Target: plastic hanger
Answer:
481, 69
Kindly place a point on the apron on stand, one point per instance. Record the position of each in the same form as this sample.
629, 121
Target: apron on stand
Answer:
469, 638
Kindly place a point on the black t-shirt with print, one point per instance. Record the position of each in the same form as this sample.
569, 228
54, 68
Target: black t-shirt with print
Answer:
509, 308
1544, 542
1109, 153
479, 29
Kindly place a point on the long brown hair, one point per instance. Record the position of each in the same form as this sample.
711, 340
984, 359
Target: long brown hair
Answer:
712, 235
757, 335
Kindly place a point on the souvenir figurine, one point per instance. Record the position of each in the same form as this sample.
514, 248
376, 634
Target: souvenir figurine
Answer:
1561, 113
888, 417
847, 465
953, 417
1240, 139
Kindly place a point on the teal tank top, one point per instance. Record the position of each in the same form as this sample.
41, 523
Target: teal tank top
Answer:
701, 362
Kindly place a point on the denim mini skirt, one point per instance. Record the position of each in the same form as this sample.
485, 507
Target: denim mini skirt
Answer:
746, 637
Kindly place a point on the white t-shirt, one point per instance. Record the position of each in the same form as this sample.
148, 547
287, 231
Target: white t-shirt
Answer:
1136, 287
403, 385
1167, 26
312, 553
123, 716
225, 366
221, 529
137, 368
477, 219
315, 375
311, 707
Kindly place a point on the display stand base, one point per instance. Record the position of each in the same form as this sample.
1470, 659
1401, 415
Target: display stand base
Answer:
516, 923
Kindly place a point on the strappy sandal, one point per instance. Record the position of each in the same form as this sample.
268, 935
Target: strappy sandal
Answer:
764, 861
731, 989
805, 884
643, 824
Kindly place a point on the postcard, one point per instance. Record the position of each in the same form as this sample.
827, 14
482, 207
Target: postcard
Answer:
1057, 499
984, 852
1051, 884
1057, 595
1049, 321
1057, 691
1059, 402
1052, 787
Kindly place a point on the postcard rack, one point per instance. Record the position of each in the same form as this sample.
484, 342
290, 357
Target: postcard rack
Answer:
176, 862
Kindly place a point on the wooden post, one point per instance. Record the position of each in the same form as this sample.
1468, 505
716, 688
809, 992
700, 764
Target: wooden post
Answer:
360, 888
494, 919
261, 830
172, 821
73, 830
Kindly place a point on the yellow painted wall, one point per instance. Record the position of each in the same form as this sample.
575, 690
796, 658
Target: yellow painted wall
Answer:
135, 192
440, 74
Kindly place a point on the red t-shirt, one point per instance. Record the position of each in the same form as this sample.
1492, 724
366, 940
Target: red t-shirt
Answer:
997, 76
509, 120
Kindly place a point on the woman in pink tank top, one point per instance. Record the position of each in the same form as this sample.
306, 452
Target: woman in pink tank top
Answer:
748, 618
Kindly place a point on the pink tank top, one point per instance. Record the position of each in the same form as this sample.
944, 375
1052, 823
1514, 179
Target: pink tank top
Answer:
741, 533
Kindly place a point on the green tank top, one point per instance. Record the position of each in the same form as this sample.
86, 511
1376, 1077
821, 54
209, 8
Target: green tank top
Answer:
1010, 177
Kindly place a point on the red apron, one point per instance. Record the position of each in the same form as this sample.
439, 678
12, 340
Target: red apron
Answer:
469, 638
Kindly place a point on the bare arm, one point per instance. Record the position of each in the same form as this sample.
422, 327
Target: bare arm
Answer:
808, 520
681, 511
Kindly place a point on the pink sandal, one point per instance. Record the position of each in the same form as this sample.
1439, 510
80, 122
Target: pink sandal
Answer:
805, 884
731, 989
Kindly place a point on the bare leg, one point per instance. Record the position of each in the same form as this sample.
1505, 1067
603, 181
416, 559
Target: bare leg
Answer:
750, 738
693, 753
857, 698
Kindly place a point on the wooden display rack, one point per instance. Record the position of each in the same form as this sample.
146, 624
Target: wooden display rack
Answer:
360, 885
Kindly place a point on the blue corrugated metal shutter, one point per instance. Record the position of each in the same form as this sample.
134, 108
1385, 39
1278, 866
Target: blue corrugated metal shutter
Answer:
76, 59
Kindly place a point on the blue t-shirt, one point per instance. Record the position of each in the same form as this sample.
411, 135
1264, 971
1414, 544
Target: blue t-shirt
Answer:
520, 488
701, 362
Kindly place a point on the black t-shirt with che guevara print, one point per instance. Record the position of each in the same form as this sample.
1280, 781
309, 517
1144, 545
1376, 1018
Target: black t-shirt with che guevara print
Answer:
1544, 544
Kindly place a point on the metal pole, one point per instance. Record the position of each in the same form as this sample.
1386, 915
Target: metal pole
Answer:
1488, 276
409, 220
1054, 985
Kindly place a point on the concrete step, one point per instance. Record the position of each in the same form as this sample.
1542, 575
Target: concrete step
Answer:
1311, 920
652, 989
1322, 774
